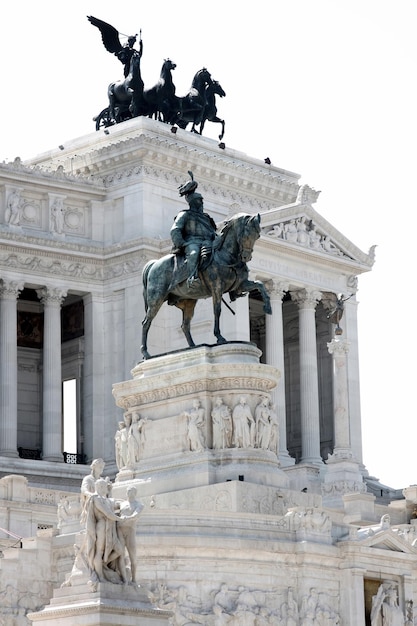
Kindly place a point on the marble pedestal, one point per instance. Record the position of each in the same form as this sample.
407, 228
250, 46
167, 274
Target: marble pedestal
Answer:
107, 605
164, 390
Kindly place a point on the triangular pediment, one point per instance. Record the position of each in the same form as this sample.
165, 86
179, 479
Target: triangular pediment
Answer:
388, 540
300, 226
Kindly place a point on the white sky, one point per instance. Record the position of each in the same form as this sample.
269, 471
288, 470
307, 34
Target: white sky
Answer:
325, 88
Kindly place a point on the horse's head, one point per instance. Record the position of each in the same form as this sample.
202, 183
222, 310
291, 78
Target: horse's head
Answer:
168, 65
134, 66
201, 79
250, 232
218, 89
246, 229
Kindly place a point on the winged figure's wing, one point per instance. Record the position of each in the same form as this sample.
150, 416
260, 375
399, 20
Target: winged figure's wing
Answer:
109, 34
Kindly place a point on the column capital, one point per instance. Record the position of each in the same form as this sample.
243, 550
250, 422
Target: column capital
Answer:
337, 347
51, 295
306, 298
276, 288
10, 289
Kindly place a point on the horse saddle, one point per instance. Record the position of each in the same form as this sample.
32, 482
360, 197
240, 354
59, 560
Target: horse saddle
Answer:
180, 270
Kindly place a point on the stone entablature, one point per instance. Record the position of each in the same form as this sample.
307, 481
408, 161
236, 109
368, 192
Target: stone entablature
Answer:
158, 154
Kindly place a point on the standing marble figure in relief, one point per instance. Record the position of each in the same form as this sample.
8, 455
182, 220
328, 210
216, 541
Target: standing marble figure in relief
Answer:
118, 445
385, 610
263, 424
274, 440
57, 216
122, 441
130, 509
195, 419
13, 209
243, 425
136, 438
309, 608
222, 425
289, 609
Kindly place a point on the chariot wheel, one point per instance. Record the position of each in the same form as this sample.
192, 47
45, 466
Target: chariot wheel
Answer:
104, 119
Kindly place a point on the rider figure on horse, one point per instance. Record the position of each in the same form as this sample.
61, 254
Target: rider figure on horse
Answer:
128, 51
193, 231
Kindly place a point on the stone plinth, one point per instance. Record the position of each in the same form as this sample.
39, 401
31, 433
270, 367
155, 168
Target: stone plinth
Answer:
108, 605
164, 391
342, 478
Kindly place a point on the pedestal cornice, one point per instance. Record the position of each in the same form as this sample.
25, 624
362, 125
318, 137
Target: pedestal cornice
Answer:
227, 367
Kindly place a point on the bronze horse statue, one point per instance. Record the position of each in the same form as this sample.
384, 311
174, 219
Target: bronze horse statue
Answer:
123, 95
225, 272
190, 108
210, 110
160, 98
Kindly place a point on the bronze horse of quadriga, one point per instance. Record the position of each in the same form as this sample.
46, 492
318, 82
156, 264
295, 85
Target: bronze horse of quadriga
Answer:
120, 92
225, 272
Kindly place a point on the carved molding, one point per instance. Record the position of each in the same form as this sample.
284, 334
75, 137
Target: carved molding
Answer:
194, 387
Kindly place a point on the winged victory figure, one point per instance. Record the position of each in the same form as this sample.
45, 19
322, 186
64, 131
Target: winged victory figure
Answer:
111, 40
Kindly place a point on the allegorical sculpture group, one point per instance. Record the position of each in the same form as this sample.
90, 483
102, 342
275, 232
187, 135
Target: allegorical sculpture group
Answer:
129, 98
109, 534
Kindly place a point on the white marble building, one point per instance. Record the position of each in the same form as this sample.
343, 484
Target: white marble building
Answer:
295, 533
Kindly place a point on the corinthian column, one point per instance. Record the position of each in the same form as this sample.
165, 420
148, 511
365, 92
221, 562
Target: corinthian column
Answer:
9, 291
274, 348
52, 382
343, 474
309, 387
342, 447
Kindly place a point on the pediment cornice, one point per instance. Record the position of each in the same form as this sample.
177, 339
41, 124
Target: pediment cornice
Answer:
300, 227
384, 540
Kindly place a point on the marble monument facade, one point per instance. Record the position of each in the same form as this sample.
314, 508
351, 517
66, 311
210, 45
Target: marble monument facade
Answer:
259, 508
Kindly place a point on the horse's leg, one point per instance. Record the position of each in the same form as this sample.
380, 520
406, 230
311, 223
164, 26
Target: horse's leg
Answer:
153, 304
222, 133
217, 120
250, 285
217, 309
187, 307
146, 324
111, 97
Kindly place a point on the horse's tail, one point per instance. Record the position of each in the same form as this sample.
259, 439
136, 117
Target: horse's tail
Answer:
145, 273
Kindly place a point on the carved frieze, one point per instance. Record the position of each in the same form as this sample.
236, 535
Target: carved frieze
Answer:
233, 603
303, 232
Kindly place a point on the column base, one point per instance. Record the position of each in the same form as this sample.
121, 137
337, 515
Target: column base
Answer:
312, 460
285, 459
12, 454
53, 459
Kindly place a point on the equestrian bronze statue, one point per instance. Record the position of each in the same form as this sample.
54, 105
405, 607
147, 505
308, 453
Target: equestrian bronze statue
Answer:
204, 263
